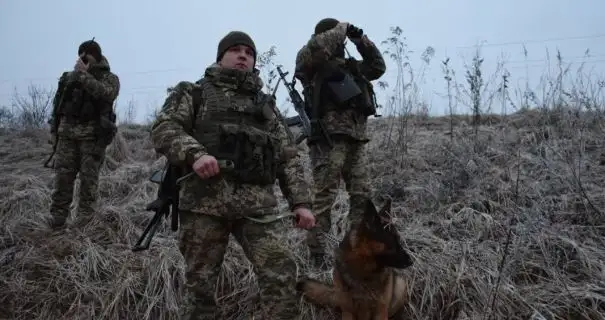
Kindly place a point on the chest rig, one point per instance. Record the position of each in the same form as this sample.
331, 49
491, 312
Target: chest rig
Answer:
78, 104
234, 125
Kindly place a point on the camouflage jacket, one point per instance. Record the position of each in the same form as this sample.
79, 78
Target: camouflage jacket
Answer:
323, 47
98, 83
172, 135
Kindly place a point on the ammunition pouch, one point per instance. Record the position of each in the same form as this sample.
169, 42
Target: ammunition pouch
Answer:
343, 90
348, 88
107, 129
71, 105
252, 151
80, 106
366, 101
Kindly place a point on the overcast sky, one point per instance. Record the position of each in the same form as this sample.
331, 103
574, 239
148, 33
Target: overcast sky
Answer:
154, 44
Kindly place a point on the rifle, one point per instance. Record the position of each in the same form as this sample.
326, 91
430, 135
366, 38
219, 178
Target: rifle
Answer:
299, 106
63, 87
167, 202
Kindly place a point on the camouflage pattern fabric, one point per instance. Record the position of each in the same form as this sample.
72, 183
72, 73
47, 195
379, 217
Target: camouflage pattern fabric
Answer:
172, 135
203, 243
348, 160
73, 156
347, 128
324, 46
78, 146
213, 208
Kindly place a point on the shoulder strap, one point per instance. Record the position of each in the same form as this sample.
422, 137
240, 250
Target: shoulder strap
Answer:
61, 86
196, 97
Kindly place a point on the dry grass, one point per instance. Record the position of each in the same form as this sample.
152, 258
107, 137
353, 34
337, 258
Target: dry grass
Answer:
456, 201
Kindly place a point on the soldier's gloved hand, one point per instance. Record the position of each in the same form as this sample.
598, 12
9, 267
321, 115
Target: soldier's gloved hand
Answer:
206, 166
304, 218
354, 32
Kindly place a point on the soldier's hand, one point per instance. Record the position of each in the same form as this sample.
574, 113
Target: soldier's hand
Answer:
80, 65
206, 166
363, 40
304, 218
354, 32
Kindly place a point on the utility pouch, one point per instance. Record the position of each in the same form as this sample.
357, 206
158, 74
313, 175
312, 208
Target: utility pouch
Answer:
344, 90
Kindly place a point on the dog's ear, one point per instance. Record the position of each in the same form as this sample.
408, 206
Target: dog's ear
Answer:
395, 256
385, 212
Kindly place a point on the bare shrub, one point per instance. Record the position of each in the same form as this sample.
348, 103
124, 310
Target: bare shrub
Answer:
130, 113
32, 110
404, 104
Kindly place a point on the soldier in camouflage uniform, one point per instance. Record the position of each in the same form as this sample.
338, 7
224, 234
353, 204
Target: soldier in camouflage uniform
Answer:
226, 117
337, 147
82, 125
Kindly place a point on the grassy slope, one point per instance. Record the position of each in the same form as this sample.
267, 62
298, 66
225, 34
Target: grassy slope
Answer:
454, 199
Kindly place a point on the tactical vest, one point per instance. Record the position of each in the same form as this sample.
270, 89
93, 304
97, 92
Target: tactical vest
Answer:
80, 106
235, 127
342, 85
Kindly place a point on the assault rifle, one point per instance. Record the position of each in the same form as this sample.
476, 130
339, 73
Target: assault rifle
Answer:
167, 203
65, 88
299, 107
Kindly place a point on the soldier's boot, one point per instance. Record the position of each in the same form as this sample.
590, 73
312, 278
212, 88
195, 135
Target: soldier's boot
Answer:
86, 214
58, 216
317, 241
61, 197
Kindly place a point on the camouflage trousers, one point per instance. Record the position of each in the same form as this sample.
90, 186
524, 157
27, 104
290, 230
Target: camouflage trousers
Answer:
72, 157
347, 160
203, 243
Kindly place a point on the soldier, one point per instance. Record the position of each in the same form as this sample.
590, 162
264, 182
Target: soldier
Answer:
225, 118
339, 97
82, 126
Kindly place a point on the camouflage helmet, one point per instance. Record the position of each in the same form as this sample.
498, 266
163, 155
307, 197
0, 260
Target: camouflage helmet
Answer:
325, 24
234, 38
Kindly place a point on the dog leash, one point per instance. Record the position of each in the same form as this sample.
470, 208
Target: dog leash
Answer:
229, 165
271, 218
222, 164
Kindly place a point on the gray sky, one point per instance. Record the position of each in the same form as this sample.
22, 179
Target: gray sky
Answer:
154, 44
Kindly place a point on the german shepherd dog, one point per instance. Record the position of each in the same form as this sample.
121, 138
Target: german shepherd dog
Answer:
366, 286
